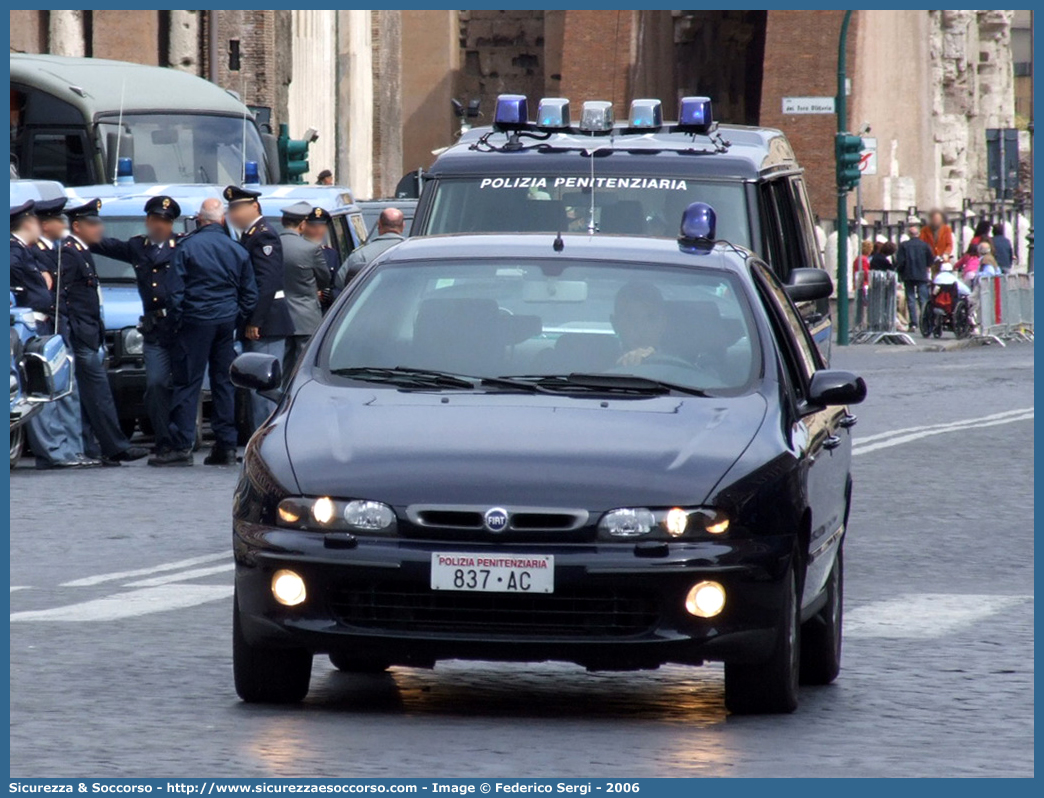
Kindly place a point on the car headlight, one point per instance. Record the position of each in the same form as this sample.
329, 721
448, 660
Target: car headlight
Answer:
324, 514
672, 523
132, 342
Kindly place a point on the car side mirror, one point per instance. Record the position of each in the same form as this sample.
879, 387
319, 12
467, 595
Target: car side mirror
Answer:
256, 371
808, 285
833, 387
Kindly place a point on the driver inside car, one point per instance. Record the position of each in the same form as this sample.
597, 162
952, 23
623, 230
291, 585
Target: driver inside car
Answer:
638, 319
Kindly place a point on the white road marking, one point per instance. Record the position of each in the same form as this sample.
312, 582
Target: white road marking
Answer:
929, 431
19, 587
130, 605
881, 435
924, 615
181, 576
89, 581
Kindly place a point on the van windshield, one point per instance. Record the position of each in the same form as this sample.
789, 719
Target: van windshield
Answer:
187, 148
548, 203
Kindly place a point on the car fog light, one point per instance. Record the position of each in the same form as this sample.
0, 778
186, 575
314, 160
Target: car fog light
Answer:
705, 599
676, 521
289, 512
288, 588
323, 510
368, 515
627, 522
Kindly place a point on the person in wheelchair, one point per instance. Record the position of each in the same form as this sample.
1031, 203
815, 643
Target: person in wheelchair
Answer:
949, 306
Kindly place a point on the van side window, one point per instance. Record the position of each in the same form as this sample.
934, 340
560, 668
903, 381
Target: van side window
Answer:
782, 237
59, 155
806, 222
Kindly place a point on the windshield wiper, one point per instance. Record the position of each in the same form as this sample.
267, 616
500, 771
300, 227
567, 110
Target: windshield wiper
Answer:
405, 377
593, 383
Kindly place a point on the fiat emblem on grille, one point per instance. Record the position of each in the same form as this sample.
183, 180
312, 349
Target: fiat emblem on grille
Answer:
496, 519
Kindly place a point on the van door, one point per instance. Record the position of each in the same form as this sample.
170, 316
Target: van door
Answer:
789, 242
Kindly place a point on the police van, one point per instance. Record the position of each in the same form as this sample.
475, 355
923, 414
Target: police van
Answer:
74, 119
634, 177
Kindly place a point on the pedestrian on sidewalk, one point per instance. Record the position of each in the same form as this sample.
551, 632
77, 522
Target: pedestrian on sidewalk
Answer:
913, 261
939, 236
1002, 249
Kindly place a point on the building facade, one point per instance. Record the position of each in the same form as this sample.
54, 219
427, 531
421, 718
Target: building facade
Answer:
378, 85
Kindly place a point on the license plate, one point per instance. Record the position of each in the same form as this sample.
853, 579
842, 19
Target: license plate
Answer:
493, 573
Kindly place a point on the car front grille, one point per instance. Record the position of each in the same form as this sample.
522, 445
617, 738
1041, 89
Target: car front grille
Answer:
589, 613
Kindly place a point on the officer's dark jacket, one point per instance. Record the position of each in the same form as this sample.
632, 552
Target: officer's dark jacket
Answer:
333, 261
210, 278
271, 315
80, 301
26, 275
151, 264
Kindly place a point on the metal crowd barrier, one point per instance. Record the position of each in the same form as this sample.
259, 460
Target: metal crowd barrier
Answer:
880, 312
1005, 308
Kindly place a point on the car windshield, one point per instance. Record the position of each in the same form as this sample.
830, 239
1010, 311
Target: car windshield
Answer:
189, 148
123, 227
643, 206
684, 327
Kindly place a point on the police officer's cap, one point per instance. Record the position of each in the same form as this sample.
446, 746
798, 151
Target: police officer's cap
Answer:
318, 216
299, 210
21, 211
234, 195
89, 210
51, 209
163, 206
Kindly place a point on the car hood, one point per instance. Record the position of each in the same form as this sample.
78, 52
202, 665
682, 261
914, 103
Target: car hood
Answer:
121, 305
514, 449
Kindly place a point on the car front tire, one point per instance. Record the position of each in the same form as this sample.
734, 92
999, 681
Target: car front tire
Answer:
821, 634
770, 686
267, 675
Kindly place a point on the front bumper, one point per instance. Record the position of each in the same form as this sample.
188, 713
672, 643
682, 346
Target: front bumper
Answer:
614, 606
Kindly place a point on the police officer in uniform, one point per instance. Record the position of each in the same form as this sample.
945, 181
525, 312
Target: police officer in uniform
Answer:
150, 255
316, 228
211, 292
270, 325
56, 432
31, 287
81, 303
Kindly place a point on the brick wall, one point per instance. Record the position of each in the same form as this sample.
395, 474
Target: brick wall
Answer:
264, 68
502, 52
597, 57
801, 61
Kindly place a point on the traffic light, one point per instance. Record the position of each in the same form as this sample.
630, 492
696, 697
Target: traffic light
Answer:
848, 149
293, 156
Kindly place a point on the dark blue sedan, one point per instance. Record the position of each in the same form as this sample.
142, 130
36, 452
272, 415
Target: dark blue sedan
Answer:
614, 451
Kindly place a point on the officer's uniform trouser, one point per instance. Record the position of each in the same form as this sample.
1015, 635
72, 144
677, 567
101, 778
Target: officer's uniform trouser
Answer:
200, 344
158, 390
261, 408
97, 406
54, 432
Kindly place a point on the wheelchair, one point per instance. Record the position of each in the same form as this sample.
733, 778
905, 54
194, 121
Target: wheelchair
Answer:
946, 309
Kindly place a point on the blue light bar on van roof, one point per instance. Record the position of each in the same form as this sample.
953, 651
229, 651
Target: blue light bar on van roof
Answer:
553, 113
646, 114
251, 174
511, 113
694, 113
124, 171
596, 116
699, 223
